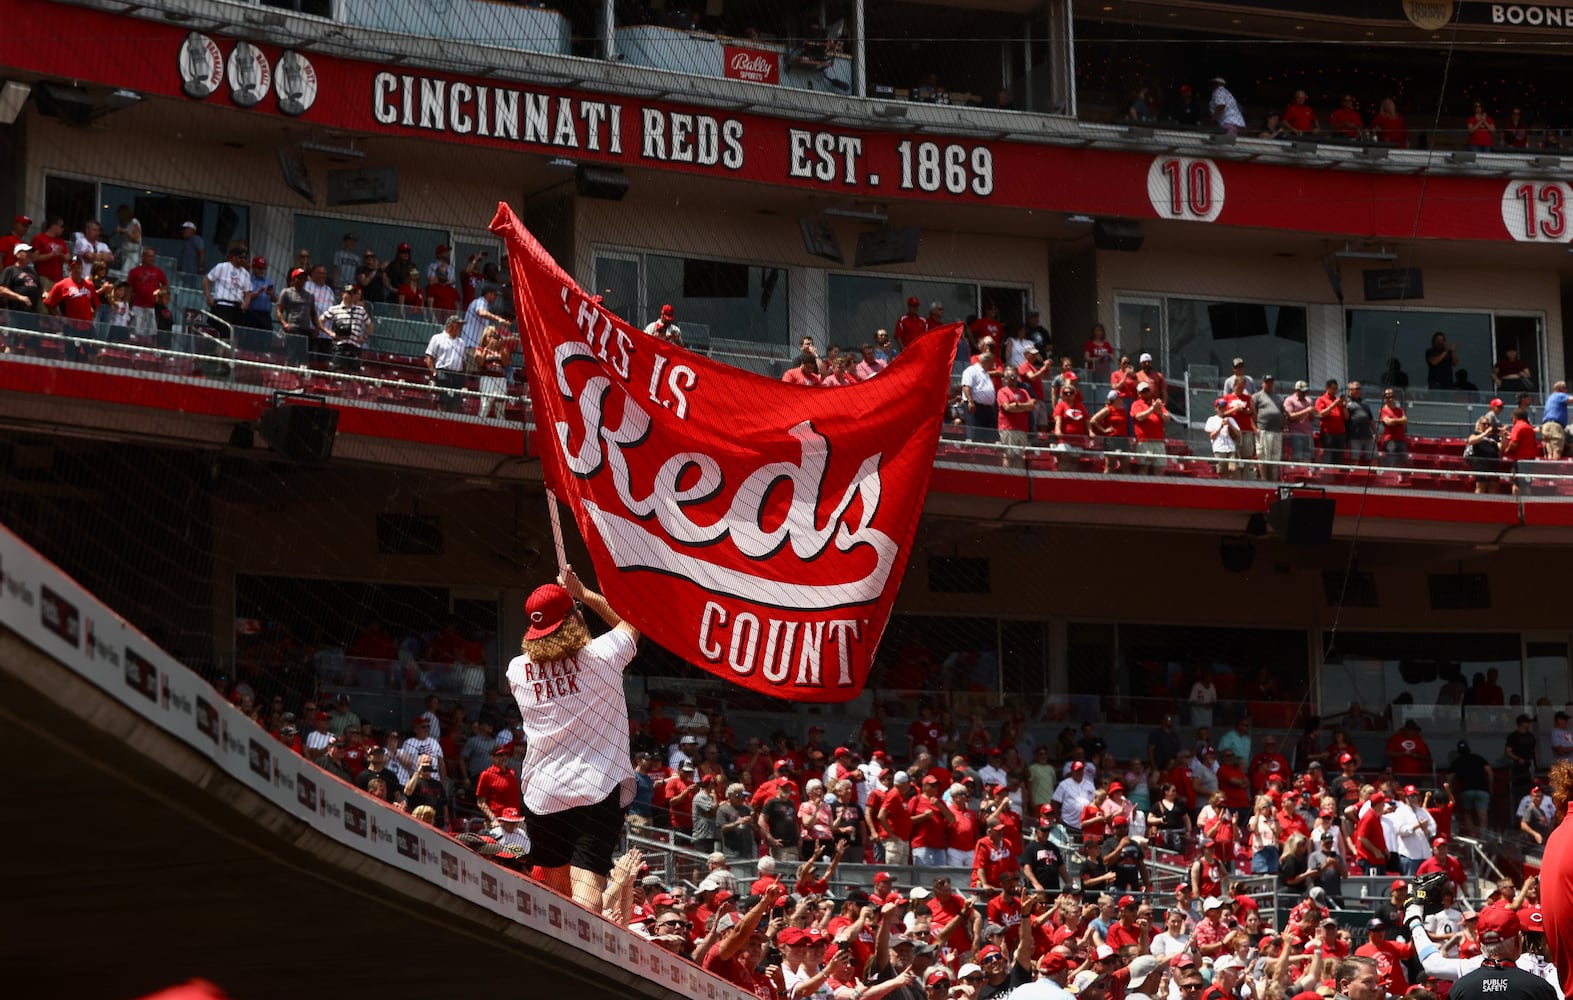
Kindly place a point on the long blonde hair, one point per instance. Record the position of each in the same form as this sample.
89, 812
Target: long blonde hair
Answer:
570, 637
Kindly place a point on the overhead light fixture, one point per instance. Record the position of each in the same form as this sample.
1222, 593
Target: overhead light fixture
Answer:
1222, 138
1462, 156
1374, 152
1080, 219
889, 111
337, 152
1546, 162
562, 163
1350, 253
860, 214
12, 97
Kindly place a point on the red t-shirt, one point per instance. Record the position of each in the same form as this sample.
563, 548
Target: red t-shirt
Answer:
990, 861
930, 832
682, 812
1013, 421
1240, 409
796, 377
985, 327
1397, 432
1370, 828
926, 733
1237, 797
1115, 421
498, 787
8, 244
1389, 957
731, 969
1096, 349
1147, 419
1006, 911
898, 817
1390, 129
909, 328
75, 298
1264, 766
1481, 134
412, 295
443, 297
1300, 117
43, 244
1119, 935
146, 280
1521, 446
1408, 753
1209, 881
1332, 412
942, 911
963, 836
1072, 417
1347, 121
873, 735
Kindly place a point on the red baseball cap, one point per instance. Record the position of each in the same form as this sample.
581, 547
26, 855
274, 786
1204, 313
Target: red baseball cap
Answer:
299, 272
1498, 922
790, 937
1398, 883
510, 815
988, 953
1530, 920
838, 751
1345, 758
937, 976
22, 220
783, 764
911, 300
547, 607
1115, 786
404, 246
1126, 900
1438, 841
884, 877
1052, 962
442, 248
667, 312
1410, 790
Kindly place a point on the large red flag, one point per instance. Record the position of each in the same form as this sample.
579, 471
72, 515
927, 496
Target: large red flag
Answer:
757, 529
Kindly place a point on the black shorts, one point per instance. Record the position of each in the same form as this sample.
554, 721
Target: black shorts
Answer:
583, 836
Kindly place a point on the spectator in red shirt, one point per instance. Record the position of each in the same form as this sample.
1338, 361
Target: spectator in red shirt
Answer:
931, 823
991, 858
1070, 416
497, 787
1268, 764
1407, 753
952, 920
442, 296
1098, 352
1481, 127
909, 325
895, 820
146, 279
1395, 431
8, 243
735, 956
1389, 955
1521, 445
1388, 126
1128, 929
73, 297
1333, 410
987, 327
924, 731
872, 732
1148, 416
1346, 121
1443, 861
1298, 116
1370, 842
50, 250
1014, 404
806, 372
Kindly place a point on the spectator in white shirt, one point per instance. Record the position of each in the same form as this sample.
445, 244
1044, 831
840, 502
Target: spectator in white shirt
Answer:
691, 721
318, 739
509, 831
445, 360
90, 246
1414, 827
420, 743
479, 315
227, 287
346, 261
1074, 792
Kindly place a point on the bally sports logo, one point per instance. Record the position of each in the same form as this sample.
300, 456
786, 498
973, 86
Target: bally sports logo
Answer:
760, 543
753, 65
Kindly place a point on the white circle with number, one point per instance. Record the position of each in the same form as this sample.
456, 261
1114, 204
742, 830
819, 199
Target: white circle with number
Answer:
1181, 187
1538, 211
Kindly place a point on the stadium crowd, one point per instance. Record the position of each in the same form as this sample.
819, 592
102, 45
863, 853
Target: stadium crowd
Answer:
1012, 863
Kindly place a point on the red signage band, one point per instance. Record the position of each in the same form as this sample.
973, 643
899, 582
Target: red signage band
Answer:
757, 529
158, 58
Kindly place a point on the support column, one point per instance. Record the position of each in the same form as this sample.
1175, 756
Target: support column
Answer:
859, 51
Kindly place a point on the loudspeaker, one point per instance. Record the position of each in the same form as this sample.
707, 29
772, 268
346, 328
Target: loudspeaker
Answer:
600, 182
301, 434
1117, 234
1302, 520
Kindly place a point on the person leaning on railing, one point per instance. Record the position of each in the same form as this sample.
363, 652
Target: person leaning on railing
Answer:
445, 360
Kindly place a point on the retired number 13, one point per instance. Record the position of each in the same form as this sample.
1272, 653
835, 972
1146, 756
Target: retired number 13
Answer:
951, 167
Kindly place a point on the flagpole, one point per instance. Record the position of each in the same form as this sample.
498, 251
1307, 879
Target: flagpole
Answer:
557, 528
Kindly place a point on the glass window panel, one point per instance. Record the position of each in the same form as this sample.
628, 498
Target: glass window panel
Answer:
219, 223
1426, 676
617, 282
1271, 338
863, 303
1522, 333
724, 299
1547, 667
1023, 660
939, 654
1140, 329
324, 237
1252, 669
1379, 339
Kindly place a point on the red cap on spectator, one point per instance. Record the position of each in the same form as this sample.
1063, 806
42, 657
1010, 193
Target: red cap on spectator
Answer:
1496, 923
1115, 786
546, 608
838, 751
22, 220
667, 312
884, 877
502, 748
1497, 402
662, 899
1077, 765
442, 248
1072, 377
987, 953
403, 247
1126, 900
1410, 790
937, 976
723, 896
911, 300
1377, 798
299, 272
259, 262
510, 815
790, 937
813, 935
1438, 841
320, 717
1345, 758
1398, 883
1052, 962
1530, 920
783, 764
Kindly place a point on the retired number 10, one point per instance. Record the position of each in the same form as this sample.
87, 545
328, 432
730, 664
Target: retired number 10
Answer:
931, 166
